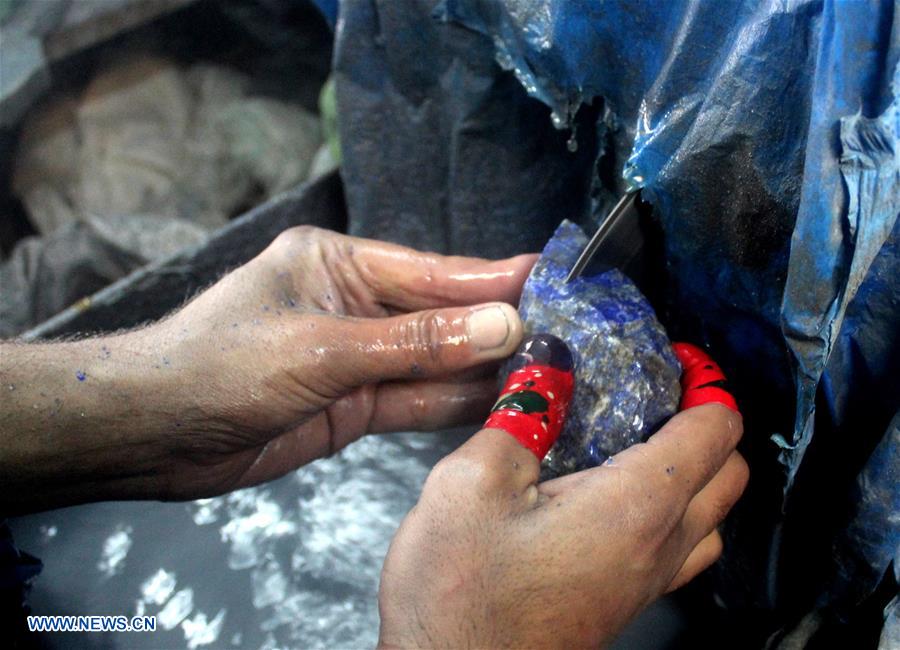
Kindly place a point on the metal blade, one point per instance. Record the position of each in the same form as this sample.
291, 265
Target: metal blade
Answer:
619, 236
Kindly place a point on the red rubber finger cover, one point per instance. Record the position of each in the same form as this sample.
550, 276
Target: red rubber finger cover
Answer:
532, 406
702, 380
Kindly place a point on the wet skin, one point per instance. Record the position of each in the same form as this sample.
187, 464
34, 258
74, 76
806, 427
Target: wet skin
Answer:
319, 340
323, 338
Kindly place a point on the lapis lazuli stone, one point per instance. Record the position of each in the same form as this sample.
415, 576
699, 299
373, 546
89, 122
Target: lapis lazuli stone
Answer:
626, 374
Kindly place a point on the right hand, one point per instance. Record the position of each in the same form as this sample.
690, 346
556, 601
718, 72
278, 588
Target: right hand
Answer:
489, 557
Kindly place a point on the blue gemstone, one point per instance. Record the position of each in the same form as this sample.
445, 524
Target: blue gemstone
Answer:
626, 374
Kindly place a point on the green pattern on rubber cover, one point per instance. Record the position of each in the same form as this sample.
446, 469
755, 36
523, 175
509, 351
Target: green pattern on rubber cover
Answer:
526, 401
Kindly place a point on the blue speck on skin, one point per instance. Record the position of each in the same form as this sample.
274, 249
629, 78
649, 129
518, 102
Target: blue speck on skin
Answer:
80, 376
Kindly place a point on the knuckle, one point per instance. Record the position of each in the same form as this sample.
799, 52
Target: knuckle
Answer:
717, 546
719, 505
651, 521
727, 429
715, 551
742, 473
708, 551
419, 413
462, 473
298, 239
648, 514
735, 474
423, 334
719, 509
735, 425
646, 554
442, 476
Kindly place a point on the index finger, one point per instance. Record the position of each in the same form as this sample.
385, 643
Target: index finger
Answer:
686, 453
410, 280
664, 473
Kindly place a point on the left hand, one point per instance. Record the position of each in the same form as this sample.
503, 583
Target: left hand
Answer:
317, 341
323, 338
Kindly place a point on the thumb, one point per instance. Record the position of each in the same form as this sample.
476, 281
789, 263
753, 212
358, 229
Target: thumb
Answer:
428, 343
532, 406
524, 423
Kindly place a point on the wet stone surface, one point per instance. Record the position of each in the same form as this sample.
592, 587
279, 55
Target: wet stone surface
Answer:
626, 375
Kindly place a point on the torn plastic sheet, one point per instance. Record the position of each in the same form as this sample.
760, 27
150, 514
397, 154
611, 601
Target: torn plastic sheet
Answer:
745, 123
686, 105
863, 551
862, 202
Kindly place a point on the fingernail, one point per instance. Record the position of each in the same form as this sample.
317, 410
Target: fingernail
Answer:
488, 328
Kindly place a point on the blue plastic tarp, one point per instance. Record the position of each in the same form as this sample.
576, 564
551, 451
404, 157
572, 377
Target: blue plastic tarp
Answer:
766, 135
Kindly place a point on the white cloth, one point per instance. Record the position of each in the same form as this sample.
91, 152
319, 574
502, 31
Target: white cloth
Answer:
149, 137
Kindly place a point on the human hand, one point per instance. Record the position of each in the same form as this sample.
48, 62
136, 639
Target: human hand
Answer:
490, 558
318, 340
323, 338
